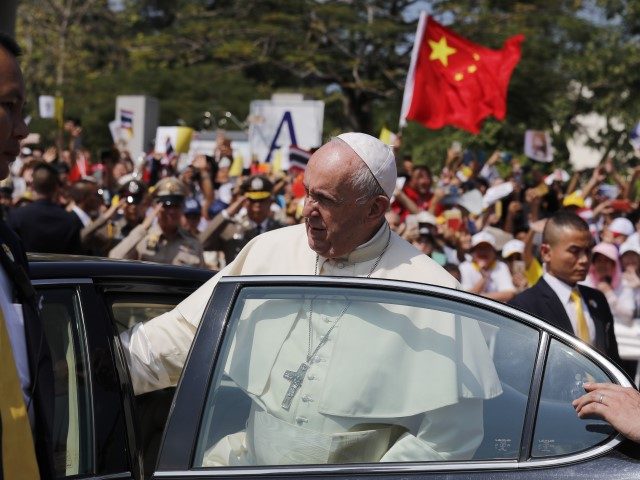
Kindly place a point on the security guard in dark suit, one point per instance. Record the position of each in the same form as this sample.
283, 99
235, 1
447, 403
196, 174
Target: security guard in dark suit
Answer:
43, 219
231, 229
26, 373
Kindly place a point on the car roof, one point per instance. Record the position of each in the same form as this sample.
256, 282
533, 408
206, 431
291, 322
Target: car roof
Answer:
46, 266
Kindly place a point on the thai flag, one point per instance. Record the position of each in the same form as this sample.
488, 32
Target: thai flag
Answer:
298, 157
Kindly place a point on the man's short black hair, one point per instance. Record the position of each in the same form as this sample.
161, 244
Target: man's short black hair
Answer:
562, 220
45, 179
10, 45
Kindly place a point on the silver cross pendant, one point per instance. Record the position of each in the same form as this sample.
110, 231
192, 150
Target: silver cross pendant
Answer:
296, 379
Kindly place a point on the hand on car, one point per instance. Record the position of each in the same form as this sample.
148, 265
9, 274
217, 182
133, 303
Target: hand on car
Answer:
620, 406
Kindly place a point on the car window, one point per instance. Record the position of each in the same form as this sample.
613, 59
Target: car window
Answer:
311, 375
152, 408
127, 313
72, 433
558, 429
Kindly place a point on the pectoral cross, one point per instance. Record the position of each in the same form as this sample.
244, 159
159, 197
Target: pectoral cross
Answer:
296, 379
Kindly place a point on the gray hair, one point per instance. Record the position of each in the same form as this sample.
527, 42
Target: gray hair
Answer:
363, 181
365, 185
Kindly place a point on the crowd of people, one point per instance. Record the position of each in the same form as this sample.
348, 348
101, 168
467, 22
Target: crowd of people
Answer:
491, 224
482, 221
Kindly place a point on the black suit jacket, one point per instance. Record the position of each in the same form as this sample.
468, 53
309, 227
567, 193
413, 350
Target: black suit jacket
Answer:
40, 364
46, 227
541, 301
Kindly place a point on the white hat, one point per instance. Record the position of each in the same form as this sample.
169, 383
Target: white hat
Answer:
378, 157
497, 192
622, 226
426, 217
471, 201
630, 245
558, 175
483, 237
511, 247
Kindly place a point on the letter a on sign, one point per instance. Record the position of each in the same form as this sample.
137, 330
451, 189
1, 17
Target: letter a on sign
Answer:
286, 119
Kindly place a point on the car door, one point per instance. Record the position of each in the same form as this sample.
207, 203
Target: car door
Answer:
376, 399
90, 433
100, 429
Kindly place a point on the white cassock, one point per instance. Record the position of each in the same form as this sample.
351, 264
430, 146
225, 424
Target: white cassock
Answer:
354, 406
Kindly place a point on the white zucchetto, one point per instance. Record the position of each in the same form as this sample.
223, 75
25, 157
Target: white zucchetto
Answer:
377, 156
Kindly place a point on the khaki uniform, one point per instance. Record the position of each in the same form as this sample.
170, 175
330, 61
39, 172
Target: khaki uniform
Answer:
231, 234
153, 246
101, 235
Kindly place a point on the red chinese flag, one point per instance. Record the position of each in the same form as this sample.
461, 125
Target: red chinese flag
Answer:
452, 81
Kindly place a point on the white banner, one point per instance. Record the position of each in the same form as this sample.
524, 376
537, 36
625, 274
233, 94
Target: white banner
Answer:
283, 121
47, 106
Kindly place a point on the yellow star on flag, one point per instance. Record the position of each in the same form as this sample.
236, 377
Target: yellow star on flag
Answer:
441, 51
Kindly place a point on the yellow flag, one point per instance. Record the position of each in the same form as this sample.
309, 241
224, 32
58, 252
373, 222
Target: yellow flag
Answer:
59, 111
237, 165
183, 139
387, 136
276, 164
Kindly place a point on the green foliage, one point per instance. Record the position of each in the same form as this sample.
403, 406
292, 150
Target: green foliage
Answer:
218, 55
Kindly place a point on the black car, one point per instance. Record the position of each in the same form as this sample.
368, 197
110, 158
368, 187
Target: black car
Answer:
100, 429
529, 429
226, 421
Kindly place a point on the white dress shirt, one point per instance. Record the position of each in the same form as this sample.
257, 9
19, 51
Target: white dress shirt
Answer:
15, 327
563, 291
82, 215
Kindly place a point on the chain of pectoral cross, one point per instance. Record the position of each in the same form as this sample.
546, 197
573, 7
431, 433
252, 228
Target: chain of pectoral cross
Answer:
296, 378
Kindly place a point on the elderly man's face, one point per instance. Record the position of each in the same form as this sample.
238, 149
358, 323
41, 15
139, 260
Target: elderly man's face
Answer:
12, 126
335, 223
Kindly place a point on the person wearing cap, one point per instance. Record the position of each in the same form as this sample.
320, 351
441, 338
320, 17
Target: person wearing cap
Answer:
165, 241
512, 254
619, 230
521, 262
247, 217
192, 215
127, 210
623, 270
348, 184
425, 237
485, 274
559, 298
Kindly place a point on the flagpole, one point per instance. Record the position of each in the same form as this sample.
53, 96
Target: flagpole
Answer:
408, 86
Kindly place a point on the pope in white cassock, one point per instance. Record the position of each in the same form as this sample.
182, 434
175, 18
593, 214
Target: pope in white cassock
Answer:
331, 381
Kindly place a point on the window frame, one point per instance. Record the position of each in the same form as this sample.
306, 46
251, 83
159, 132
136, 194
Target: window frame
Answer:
184, 421
97, 337
74, 286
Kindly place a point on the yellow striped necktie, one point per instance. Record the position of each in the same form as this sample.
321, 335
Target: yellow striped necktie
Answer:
581, 321
18, 453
